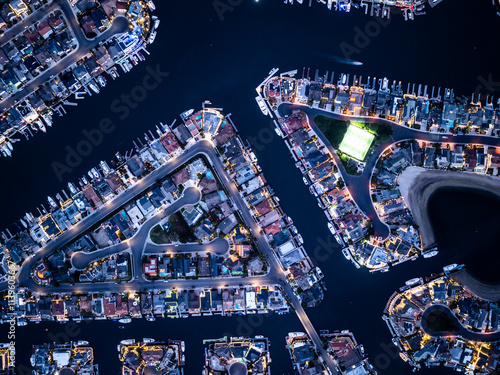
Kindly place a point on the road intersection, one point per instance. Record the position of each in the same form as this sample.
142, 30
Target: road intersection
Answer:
140, 244
359, 186
84, 45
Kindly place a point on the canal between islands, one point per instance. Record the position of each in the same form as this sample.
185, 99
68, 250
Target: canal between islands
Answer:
223, 58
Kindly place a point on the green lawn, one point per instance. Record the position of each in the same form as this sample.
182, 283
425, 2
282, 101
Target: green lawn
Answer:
336, 130
159, 236
181, 228
333, 130
356, 142
179, 232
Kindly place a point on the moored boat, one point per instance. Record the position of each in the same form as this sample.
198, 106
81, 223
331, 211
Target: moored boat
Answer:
262, 104
414, 281
332, 229
346, 254
450, 267
430, 254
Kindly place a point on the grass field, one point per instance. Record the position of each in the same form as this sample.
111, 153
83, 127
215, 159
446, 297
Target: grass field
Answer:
159, 236
356, 142
333, 130
336, 131
179, 231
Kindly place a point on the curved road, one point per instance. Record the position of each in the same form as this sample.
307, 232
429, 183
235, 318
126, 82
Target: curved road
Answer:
218, 246
359, 186
33, 18
23, 276
462, 331
80, 260
120, 25
201, 148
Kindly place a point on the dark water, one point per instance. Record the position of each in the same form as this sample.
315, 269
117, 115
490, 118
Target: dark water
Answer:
466, 224
105, 336
223, 61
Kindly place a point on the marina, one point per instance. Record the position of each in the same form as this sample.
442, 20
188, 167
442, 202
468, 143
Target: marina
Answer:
357, 313
30, 99
377, 8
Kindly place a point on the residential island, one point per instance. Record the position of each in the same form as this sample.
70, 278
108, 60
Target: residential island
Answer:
342, 348
191, 208
439, 321
59, 359
68, 49
237, 355
361, 147
152, 356
379, 8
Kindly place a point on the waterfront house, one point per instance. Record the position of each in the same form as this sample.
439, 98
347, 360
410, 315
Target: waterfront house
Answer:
136, 165
470, 159
223, 134
134, 305
159, 303
109, 304
205, 302
227, 300
216, 300
146, 303
194, 302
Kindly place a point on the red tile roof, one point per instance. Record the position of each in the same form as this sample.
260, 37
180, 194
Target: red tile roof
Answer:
180, 177
208, 185
121, 306
109, 306
273, 228
263, 207
57, 308
55, 21
294, 123
170, 142
114, 181
223, 134
32, 36
44, 28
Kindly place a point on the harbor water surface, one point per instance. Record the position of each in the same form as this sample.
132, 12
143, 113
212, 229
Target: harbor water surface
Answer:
223, 58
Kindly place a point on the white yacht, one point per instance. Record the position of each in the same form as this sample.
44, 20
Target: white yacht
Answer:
450, 267
332, 229
346, 253
262, 104
52, 202
430, 254
414, 281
